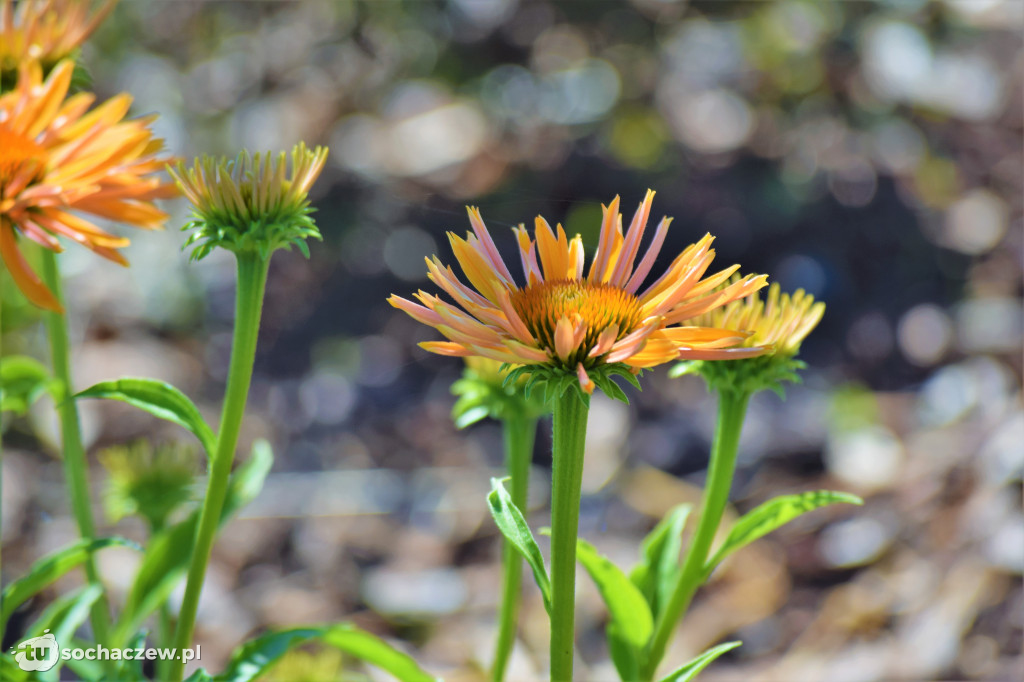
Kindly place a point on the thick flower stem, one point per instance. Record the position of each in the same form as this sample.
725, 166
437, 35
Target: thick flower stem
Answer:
75, 465
570, 431
252, 278
519, 432
732, 408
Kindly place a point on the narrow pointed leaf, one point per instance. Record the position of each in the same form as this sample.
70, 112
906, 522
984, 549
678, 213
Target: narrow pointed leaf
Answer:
694, 667
22, 381
659, 558
774, 513
513, 526
48, 569
161, 400
630, 621
254, 658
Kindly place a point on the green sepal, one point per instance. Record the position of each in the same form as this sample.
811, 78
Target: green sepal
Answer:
747, 375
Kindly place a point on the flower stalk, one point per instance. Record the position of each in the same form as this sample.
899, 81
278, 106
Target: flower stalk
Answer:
75, 465
519, 434
569, 437
252, 278
732, 409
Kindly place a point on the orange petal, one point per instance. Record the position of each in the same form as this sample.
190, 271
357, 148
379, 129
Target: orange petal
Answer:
26, 280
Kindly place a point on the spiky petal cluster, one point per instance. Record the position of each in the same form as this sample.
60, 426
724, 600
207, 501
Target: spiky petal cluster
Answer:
252, 202
151, 481
59, 160
577, 321
780, 322
45, 31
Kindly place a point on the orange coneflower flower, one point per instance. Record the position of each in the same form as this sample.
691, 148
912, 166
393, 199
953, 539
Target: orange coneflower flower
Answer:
45, 30
579, 321
57, 161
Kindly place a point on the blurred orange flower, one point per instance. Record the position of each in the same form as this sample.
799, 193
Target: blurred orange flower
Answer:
57, 160
45, 30
576, 321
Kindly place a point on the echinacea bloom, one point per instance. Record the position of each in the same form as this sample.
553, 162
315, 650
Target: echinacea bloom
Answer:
45, 31
59, 160
780, 321
251, 203
578, 320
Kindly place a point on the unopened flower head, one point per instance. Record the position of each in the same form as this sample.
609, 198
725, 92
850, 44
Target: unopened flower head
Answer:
564, 319
151, 481
59, 160
779, 322
485, 391
45, 31
252, 203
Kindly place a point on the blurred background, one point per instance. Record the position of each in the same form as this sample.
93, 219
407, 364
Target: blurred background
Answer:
868, 152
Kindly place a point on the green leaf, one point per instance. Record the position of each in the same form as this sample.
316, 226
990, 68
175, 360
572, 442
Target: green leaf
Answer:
63, 617
774, 513
199, 676
631, 623
169, 552
656, 573
161, 400
45, 571
513, 526
254, 658
22, 381
10, 671
694, 667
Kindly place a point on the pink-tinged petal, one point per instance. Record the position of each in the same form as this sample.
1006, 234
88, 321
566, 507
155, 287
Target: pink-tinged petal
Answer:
633, 342
446, 348
647, 262
722, 353
605, 340
529, 354
679, 288
416, 311
695, 253
476, 268
445, 277
576, 257
528, 256
564, 337
515, 324
606, 243
624, 267
656, 351
586, 383
477, 221
734, 291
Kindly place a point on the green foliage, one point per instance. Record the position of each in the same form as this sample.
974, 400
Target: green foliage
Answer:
254, 658
48, 569
513, 526
774, 513
168, 553
748, 375
555, 381
23, 380
694, 667
482, 395
659, 568
159, 399
630, 620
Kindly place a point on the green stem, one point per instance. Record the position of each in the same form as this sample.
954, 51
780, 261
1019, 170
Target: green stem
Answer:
519, 434
570, 432
252, 278
732, 408
75, 465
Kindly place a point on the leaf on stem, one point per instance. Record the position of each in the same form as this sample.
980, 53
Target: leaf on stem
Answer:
45, 571
656, 573
23, 380
254, 658
513, 526
631, 623
774, 513
694, 667
161, 400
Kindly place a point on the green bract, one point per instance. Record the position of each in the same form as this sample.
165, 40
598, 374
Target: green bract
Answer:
251, 203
